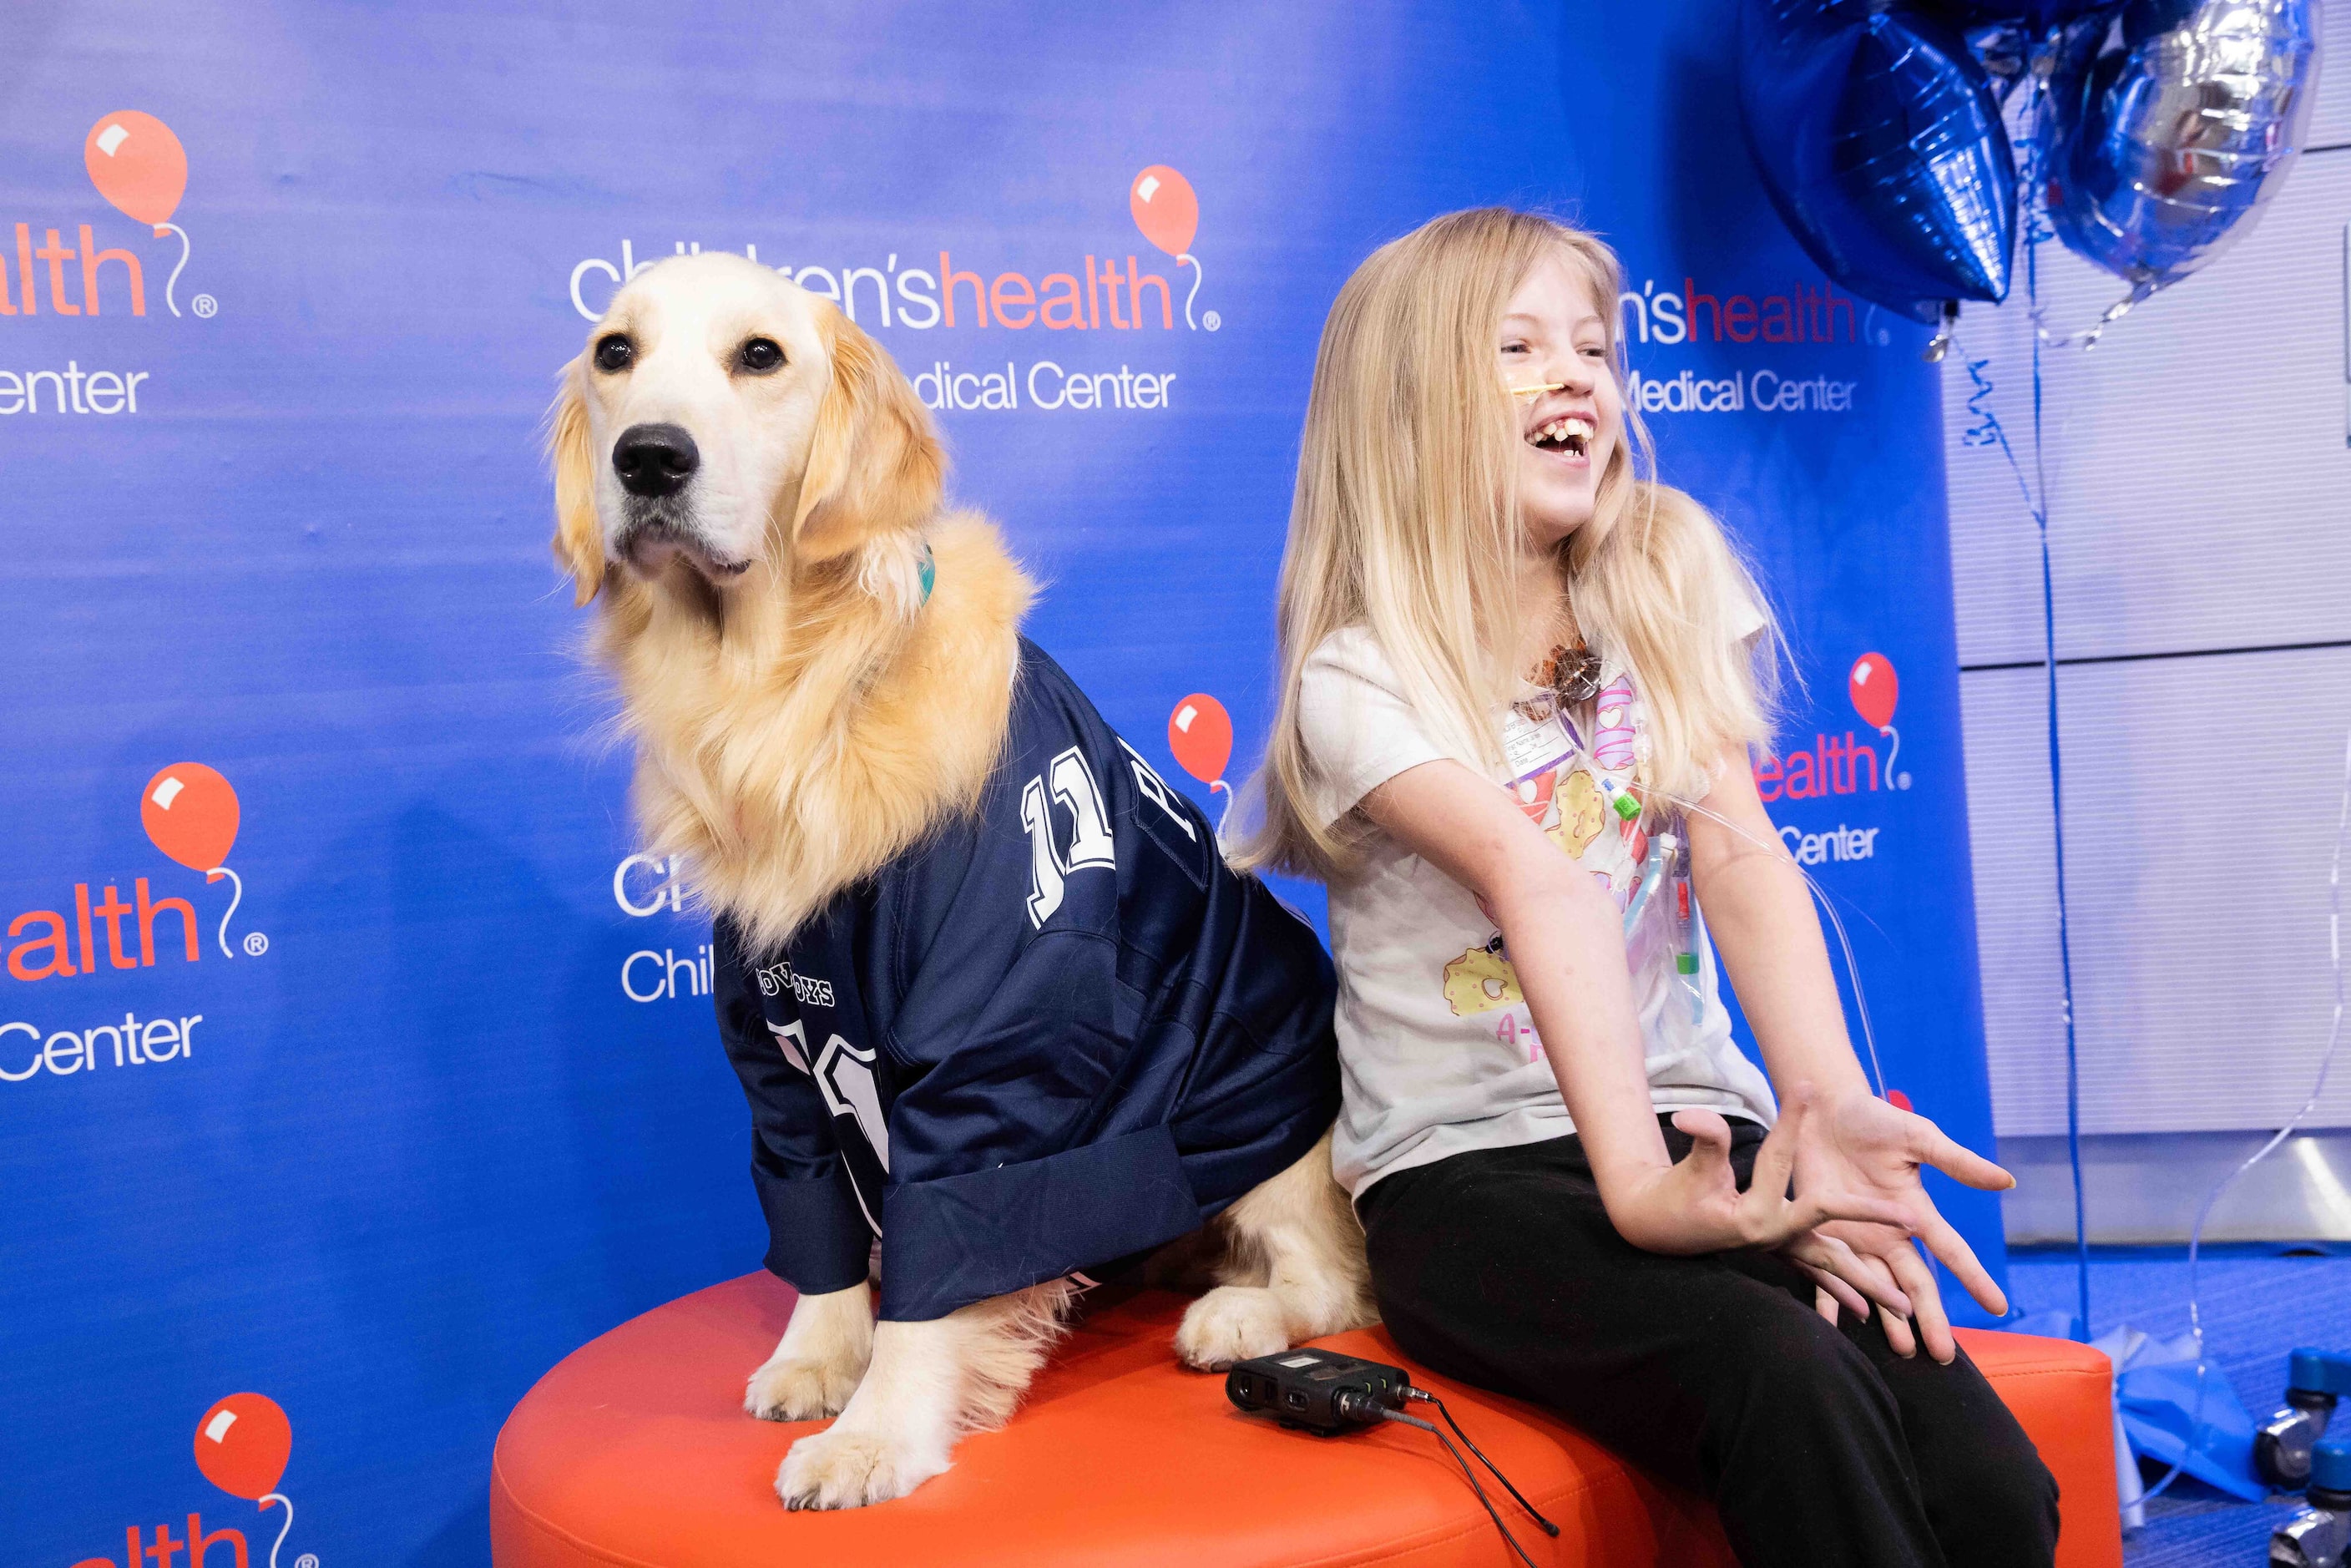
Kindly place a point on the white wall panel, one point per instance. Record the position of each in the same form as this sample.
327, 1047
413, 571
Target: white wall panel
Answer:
2200, 806
2198, 475
2199, 483
2330, 120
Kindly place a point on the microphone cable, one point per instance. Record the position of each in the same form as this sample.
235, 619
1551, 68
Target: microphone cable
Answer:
1358, 1406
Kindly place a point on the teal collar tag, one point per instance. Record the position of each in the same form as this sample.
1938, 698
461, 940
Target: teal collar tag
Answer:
929, 572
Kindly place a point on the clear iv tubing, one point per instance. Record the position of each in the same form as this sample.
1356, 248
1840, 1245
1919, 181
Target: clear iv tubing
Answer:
1851, 970
2196, 1427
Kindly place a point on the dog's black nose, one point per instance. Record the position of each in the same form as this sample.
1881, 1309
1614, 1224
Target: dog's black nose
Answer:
655, 459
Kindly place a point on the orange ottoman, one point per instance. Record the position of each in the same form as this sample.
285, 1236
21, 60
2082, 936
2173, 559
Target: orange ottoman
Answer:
635, 1451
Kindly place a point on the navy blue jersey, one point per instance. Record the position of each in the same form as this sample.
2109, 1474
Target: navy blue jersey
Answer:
1056, 1033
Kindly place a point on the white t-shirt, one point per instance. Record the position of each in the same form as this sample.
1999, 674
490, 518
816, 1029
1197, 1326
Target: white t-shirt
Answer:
1437, 1051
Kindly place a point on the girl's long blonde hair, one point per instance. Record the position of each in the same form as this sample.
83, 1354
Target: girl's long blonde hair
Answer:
1404, 523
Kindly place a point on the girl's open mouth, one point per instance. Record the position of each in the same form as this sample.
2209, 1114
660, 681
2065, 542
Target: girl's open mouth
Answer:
1570, 432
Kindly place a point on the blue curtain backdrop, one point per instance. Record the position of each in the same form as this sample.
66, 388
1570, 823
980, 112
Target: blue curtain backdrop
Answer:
440, 1100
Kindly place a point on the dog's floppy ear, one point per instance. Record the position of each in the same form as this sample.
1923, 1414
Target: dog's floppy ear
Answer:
579, 537
874, 464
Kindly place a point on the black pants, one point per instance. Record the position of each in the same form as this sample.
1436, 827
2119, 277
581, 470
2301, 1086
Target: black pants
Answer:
1820, 1447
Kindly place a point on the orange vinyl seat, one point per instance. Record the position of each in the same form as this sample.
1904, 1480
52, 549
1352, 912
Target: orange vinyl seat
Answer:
635, 1451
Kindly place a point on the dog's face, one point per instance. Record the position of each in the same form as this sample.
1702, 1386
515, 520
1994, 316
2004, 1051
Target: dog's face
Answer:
721, 418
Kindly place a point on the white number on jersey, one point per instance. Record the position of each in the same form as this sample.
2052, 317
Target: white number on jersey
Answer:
792, 1041
1090, 847
845, 1074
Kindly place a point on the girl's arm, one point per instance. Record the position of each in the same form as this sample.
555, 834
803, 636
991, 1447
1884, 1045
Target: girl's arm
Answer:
1759, 914
1566, 943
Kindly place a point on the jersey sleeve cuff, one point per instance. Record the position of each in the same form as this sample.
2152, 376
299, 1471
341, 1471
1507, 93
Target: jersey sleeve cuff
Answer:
959, 1239
818, 1239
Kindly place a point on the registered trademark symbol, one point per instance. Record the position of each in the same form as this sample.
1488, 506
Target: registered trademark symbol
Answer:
206, 305
308, 1559
1212, 320
257, 944
1884, 337
1902, 780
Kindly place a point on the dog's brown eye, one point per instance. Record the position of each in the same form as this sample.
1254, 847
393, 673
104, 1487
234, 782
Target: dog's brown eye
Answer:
760, 356
615, 353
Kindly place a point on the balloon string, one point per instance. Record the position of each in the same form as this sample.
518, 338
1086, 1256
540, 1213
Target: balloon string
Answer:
235, 897
1226, 815
1986, 431
173, 280
2038, 233
1196, 275
2114, 313
288, 1503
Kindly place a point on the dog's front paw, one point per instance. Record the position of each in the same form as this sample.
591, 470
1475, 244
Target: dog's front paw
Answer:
1230, 1323
799, 1390
848, 1470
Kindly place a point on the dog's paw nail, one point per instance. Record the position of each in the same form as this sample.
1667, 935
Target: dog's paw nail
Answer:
851, 1470
798, 1391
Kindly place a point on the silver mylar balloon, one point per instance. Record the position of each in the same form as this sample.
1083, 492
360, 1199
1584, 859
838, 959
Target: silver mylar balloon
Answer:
2163, 145
1881, 145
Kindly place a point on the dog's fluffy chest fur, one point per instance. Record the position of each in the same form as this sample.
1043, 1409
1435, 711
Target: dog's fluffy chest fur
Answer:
793, 743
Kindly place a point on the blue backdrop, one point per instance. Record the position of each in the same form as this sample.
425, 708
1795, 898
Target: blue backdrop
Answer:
440, 1099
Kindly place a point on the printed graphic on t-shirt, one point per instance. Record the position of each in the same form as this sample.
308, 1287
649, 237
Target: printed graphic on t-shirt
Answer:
1571, 792
1481, 980
1614, 736
1582, 814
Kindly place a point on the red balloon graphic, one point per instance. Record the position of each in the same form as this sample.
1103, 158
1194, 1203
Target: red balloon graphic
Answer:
1200, 734
190, 813
139, 165
242, 1445
1874, 687
1164, 208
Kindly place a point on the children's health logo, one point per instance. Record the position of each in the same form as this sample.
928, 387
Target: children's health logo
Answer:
645, 886
190, 814
1097, 293
139, 165
1842, 765
1200, 738
242, 1445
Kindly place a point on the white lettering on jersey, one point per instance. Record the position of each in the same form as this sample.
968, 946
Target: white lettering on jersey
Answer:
779, 977
1155, 790
845, 1074
1090, 847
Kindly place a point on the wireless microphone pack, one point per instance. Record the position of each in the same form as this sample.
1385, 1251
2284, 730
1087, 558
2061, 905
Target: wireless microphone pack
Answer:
1318, 1391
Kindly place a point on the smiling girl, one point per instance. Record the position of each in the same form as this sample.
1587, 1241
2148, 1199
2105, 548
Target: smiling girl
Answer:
1520, 685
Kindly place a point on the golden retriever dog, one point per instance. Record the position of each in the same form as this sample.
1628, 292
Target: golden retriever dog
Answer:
815, 663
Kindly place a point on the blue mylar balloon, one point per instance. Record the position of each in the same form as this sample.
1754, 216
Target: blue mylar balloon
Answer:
2163, 146
1881, 144
2036, 17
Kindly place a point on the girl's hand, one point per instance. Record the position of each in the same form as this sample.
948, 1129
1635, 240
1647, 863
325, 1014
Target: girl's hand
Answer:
1859, 1142
1695, 1205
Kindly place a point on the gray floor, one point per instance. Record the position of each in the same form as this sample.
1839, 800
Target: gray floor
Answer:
2256, 1309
